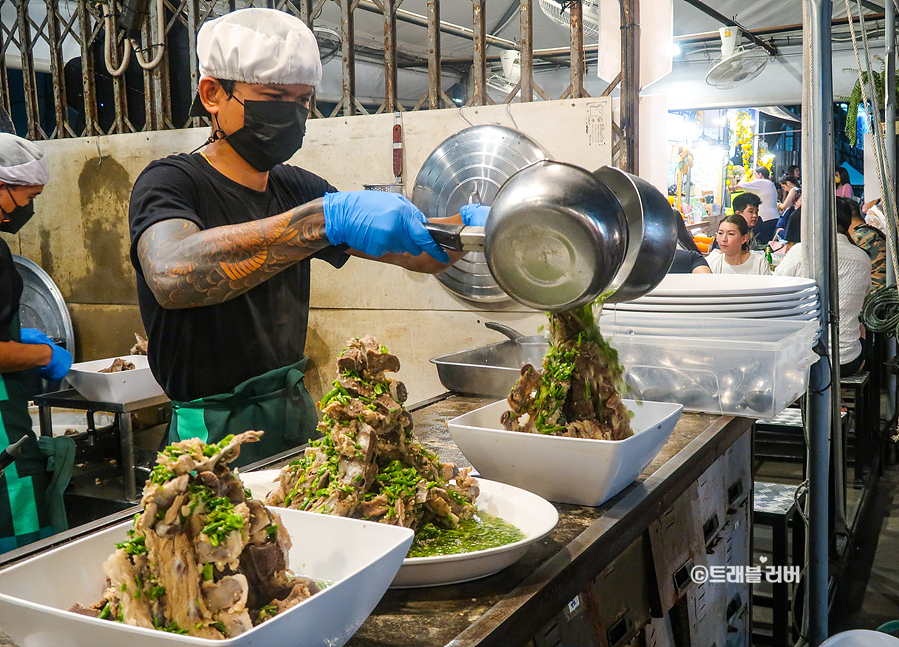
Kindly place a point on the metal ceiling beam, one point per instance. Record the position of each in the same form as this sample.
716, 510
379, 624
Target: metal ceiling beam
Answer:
446, 27
730, 22
873, 6
506, 19
768, 31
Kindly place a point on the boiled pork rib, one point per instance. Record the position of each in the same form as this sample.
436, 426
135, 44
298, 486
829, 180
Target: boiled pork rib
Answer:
577, 392
367, 464
203, 558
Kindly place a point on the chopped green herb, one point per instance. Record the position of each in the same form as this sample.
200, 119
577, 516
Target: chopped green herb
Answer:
267, 611
133, 546
174, 629
207, 571
161, 474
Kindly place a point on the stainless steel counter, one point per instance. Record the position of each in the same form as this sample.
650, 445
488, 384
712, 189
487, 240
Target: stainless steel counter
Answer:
512, 606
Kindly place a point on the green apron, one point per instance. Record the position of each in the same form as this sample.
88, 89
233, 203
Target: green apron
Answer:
24, 509
276, 402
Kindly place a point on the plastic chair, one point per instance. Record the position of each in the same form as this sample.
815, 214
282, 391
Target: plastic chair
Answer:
861, 638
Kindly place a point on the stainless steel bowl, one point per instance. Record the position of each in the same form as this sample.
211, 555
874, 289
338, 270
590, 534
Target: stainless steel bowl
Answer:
652, 234
556, 236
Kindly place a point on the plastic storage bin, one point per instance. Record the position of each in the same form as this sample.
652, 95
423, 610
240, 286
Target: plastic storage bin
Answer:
743, 367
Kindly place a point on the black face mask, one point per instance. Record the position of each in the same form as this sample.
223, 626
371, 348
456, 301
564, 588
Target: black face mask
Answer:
15, 219
272, 132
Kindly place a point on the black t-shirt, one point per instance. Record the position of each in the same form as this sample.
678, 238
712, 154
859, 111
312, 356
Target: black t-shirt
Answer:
10, 290
685, 261
198, 352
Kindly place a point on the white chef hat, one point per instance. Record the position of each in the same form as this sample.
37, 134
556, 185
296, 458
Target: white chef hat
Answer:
258, 46
22, 162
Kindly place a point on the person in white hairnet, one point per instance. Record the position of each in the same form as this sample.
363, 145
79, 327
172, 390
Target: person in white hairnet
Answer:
221, 239
24, 511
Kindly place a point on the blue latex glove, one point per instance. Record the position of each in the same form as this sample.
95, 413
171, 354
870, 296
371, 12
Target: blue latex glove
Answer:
59, 364
60, 361
378, 223
474, 215
33, 336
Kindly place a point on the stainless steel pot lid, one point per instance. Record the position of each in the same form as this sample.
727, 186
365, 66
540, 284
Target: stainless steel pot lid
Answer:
42, 305
471, 166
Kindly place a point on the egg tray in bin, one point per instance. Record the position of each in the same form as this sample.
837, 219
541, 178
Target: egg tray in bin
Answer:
742, 367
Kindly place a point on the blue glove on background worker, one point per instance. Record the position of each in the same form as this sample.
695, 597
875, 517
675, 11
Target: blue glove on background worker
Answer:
378, 223
60, 362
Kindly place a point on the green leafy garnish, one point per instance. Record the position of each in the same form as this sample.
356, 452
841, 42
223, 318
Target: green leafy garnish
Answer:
267, 611
207, 571
161, 474
133, 546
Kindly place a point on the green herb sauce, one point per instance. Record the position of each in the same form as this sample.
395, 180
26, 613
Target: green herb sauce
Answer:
480, 532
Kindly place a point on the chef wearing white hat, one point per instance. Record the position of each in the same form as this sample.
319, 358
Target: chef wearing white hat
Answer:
221, 240
24, 511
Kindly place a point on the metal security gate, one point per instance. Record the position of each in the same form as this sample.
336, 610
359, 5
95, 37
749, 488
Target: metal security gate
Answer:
64, 79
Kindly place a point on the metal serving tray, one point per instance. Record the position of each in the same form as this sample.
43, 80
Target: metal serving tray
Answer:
487, 370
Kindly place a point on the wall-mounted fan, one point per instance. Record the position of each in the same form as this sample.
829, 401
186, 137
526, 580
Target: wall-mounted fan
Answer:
737, 65
507, 77
558, 11
328, 42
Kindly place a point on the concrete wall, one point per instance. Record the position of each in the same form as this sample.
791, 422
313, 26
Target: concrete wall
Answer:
79, 234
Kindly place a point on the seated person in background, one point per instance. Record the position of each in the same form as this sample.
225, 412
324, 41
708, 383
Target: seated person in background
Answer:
747, 206
687, 257
688, 261
871, 240
791, 192
763, 187
791, 234
854, 281
735, 257
784, 220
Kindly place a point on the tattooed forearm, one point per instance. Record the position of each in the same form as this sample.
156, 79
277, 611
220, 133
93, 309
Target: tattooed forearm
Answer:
187, 267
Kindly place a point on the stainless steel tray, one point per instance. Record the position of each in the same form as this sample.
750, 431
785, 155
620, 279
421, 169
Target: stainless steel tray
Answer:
487, 370
42, 305
475, 162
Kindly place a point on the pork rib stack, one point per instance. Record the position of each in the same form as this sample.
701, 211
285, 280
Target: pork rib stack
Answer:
203, 558
577, 392
367, 464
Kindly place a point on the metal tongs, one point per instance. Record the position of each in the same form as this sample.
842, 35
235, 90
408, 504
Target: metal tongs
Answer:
11, 453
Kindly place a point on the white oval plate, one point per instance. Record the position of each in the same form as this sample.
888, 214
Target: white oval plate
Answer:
806, 304
729, 284
763, 311
533, 515
699, 299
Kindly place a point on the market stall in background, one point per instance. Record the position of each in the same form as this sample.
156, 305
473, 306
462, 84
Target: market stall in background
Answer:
712, 149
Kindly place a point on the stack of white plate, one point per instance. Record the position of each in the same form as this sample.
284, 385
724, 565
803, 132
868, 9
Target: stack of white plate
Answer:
727, 296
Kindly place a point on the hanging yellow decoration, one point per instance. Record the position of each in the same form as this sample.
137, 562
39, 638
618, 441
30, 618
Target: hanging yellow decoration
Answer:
742, 127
